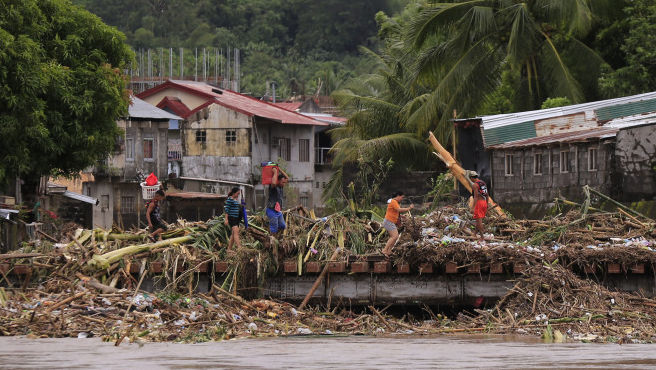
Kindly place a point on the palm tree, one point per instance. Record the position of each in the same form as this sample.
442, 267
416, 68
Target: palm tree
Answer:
465, 45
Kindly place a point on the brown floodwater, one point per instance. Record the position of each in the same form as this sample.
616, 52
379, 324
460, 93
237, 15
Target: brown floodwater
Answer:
325, 352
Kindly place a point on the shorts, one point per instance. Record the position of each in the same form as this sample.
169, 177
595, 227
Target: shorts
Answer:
480, 209
158, 225
234, 221
389, 225
276, 221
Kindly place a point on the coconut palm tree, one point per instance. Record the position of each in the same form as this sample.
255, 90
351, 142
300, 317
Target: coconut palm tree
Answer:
464, 45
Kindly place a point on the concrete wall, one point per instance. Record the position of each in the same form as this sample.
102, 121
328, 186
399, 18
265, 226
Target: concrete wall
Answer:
190, 100
526, 187
138, 131
103, 213
266, 148
635, 153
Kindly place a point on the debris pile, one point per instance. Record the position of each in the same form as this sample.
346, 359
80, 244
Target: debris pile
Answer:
552, 301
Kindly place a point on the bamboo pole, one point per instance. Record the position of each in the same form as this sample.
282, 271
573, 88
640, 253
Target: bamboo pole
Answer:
319, 279
618, 204
459, 173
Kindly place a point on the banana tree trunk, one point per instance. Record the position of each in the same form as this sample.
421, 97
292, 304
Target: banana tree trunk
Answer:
459, 173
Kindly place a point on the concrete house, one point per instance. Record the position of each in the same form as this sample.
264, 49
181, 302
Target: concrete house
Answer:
533, 157
225, 136
142, 150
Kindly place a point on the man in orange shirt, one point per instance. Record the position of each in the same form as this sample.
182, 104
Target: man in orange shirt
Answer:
391, 217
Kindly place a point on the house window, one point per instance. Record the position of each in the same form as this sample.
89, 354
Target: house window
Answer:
317, 185
323, 185
201, 136
231, 137
127, 205
592, 159
305, 201
285, 148
303, 150
564, 162
537, 164
508, 165
148, 148
129, 149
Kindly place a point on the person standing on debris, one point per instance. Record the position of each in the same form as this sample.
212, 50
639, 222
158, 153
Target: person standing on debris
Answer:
391, 217
155, 222
274, 203
479, 191
233, 217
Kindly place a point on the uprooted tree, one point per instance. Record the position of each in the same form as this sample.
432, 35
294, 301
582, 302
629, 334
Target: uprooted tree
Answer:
61, 88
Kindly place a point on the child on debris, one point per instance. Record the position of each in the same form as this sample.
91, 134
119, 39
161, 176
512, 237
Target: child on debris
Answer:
155, 222
391, 217
274, 202
233, 217
479, 191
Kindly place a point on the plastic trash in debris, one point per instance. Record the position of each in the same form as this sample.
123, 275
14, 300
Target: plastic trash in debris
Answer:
252, 326
324, 219
82, 335
314, 251
180, 322
447, 239
328, 332
380, 330
293, 311
236, 317
193, 316
304, 331
106, 302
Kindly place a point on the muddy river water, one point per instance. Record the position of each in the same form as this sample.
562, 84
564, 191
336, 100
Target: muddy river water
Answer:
324, 352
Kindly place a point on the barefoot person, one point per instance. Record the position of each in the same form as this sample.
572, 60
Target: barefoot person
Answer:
233, 217
479, 191
274, 202
155, 222
391, 217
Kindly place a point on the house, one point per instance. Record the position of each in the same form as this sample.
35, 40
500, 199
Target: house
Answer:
533, 157
306, 106
226, 136
143, 149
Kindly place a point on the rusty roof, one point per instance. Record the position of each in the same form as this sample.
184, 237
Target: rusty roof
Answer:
292, 106
235, 101
196, 195
563, 137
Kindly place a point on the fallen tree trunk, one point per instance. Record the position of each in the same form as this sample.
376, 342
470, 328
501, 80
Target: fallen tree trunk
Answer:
459, 173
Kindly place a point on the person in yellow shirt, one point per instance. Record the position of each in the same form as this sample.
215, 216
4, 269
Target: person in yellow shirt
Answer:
391, 217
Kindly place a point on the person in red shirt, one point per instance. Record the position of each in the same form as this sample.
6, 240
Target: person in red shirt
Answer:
479, 191
391, 217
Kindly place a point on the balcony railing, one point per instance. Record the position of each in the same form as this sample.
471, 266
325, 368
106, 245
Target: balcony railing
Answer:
321, 156
174, 151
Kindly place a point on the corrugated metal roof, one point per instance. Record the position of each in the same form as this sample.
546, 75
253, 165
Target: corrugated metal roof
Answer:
236, 101
292, 106
564, 137
632, 121
503, 134
623, 110
80, 197
499, 120
140, 109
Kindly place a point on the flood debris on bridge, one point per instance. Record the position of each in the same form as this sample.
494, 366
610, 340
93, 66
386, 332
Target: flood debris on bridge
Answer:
90, 281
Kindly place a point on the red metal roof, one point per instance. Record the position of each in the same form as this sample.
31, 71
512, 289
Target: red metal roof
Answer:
563, 137
174, 104
235, 101
292, 106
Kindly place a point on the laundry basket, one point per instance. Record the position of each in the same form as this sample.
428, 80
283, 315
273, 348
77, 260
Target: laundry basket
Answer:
149, 191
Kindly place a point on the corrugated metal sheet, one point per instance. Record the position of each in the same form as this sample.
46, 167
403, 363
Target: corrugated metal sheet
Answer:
504, 134
563, 137
497, 120
623, 110
80, 197
140, 109
574, 122
237, 102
